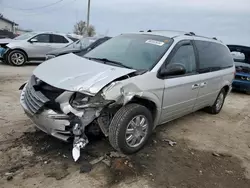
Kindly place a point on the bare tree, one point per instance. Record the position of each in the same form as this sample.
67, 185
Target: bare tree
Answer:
80, 28
91, 31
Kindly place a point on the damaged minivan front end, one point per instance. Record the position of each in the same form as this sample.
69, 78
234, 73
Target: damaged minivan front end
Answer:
63, 103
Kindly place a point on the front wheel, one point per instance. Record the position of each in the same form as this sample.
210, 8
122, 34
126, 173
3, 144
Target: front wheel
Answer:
16, 58
130, 128
218, 104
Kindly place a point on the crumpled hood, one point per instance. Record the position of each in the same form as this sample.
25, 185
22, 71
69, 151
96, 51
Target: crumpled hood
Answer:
74, 73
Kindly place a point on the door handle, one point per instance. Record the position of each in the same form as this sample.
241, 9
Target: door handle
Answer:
203, 84
195, 86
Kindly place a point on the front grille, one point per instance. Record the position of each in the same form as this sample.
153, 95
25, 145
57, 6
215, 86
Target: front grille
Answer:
48, 91
34, 100
39, 95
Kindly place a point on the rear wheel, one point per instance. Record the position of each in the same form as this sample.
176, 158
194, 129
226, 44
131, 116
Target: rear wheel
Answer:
218, 104
130, 128
16, 58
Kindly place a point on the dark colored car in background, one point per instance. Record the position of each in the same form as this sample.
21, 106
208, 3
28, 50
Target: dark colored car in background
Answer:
80, 47
241, 55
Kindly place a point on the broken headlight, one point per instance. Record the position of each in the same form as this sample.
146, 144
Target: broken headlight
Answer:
80, 101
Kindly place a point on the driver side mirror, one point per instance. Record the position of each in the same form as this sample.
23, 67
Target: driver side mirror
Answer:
33, 40
173, 70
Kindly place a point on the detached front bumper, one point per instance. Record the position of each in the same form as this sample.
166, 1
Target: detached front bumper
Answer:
47, 120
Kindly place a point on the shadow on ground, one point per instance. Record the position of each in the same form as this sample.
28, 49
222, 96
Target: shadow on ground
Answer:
161, 164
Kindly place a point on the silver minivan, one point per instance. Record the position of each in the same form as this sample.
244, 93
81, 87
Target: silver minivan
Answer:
127, 86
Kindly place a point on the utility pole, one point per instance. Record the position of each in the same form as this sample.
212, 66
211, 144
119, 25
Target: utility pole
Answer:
88, 14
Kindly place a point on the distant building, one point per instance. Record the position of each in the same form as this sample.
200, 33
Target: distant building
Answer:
20, 31
6, 24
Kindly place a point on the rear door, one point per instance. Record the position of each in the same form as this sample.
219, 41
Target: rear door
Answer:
180, 92
214, 69
58, 41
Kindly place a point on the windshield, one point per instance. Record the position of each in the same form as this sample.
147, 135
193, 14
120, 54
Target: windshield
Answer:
138, 51
25, 36
82, 43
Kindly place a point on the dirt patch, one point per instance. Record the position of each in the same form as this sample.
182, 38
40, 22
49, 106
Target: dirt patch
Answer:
57, 170
182, 166
160, 163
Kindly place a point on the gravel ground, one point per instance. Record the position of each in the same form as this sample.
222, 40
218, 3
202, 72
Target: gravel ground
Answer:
211, 151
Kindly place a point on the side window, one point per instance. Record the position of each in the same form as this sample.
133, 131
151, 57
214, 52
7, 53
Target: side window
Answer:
185, 55
213, 56
59, 39
43, 38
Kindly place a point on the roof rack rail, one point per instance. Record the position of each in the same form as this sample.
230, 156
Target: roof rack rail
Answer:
214, 38
190, 34
141, 31
149, 30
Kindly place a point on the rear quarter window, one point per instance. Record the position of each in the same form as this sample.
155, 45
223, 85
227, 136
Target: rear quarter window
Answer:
213, 56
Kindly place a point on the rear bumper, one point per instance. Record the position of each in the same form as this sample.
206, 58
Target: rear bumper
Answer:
241, 85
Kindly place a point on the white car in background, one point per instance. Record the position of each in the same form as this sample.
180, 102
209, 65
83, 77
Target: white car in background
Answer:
32, 46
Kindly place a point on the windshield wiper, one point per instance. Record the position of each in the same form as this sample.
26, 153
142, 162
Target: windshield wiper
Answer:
105, 60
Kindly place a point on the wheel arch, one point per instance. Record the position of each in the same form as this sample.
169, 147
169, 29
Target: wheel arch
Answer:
10, 50
150, 104
226, 88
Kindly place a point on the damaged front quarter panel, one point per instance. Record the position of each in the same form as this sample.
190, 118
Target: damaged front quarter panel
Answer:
125, 91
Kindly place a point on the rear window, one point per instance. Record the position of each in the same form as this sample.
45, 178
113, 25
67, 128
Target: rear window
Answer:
59, 39
213, 56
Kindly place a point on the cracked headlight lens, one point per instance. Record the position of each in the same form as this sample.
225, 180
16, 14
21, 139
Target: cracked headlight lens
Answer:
79, 101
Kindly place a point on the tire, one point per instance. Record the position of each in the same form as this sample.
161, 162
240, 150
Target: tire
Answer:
16, 58
121, 123
220, 99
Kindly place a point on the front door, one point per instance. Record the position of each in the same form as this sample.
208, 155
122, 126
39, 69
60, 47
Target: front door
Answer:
38, 50
180, 91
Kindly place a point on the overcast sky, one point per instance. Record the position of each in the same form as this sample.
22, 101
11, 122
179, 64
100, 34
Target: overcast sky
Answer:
228, 20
